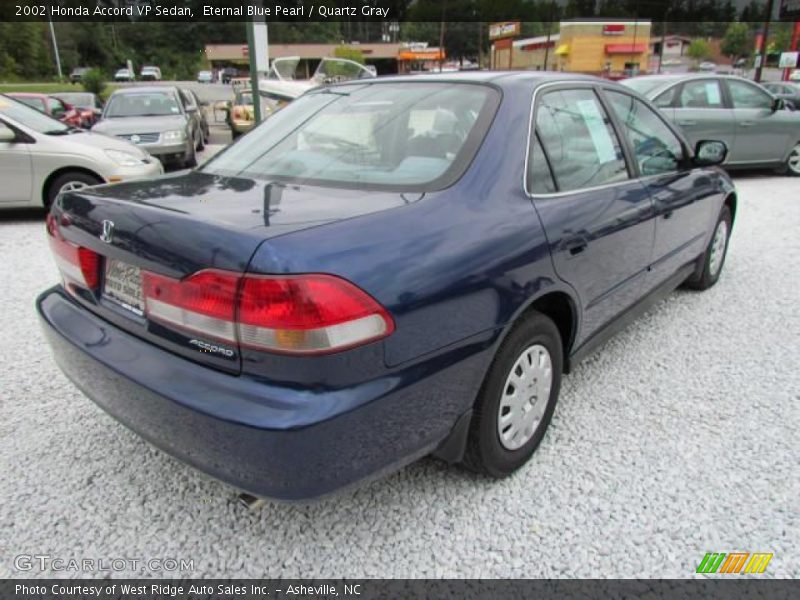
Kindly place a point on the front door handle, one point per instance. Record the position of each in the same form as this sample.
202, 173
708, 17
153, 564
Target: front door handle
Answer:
668, 214
577, 248
687, 122
747, 123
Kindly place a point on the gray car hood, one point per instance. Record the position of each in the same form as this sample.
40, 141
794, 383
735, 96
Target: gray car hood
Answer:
129, 125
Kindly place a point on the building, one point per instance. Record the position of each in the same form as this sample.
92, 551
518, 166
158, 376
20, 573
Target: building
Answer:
384, 57
608, 48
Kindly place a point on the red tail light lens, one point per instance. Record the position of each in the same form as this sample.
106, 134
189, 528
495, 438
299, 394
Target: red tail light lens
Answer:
308, 314
204, 303
77, 265
299, 314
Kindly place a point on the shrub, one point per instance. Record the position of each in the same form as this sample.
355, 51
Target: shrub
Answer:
93, 81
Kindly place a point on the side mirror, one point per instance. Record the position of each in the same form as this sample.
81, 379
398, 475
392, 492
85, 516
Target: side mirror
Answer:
778, 104
7, 135
709, 153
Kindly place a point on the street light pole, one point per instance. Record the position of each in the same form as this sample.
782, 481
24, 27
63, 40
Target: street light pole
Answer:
762, 50
55, 49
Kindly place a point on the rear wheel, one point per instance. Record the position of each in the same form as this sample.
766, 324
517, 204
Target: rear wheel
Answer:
517, 400
70, 181
191, 162
713, 258
793, 161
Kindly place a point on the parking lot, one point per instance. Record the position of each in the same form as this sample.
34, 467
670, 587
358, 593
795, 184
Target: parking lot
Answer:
679, 437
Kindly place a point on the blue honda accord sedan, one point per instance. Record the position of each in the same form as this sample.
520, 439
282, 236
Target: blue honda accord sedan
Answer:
381, 271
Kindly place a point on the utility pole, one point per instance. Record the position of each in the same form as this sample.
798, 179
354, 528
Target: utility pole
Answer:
55, 49
762, 50
441, 37
258, 54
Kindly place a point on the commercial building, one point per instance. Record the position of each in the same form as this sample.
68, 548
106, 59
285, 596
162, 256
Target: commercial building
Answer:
608, 48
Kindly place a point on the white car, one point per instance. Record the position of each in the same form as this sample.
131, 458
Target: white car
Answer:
123, 75
150, 74
41, 157
794, 75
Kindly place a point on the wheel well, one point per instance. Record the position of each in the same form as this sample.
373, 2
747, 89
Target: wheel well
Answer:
57, 173
559, 307
730, 202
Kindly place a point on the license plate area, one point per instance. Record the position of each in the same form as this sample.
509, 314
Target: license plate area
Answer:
122, 285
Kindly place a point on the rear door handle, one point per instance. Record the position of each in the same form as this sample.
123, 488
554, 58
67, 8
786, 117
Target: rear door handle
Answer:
747, 123
577, 248
687, 122
668, 214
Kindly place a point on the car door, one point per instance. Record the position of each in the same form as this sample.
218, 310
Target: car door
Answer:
762, 133
681, 196
701, 112
191, 110
597, 218
16, 169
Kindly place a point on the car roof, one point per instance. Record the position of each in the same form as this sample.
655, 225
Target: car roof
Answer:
26, 95
145, 89
500, 78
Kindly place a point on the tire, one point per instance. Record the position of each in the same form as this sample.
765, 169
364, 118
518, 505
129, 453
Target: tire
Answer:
487, 452
69, 181
201, 140
713, 259
792, 166
191, 162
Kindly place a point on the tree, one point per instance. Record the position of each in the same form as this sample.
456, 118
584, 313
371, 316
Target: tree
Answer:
737, 41
698, 50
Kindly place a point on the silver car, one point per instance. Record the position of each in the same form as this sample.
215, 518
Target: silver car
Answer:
757, 127
41, 157
156, 118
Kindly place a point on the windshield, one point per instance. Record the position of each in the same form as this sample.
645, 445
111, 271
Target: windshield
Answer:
142, 104
77, 99
244, 98
411, 137
645, 84
29, 117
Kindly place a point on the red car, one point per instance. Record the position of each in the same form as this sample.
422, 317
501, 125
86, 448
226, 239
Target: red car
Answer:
49, 105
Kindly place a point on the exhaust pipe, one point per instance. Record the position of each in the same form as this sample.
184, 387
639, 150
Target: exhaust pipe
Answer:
251, 503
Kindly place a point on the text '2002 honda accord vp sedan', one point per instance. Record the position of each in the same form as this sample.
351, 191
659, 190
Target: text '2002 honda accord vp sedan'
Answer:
381, 271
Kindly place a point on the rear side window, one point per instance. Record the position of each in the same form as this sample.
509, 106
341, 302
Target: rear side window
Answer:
579, 140
745, 95
540, 177
656, 149
665, 99
705, 93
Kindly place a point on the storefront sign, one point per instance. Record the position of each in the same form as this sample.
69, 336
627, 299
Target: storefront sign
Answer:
503, 30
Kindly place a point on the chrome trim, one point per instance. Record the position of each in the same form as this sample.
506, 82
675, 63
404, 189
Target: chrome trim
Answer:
591, 85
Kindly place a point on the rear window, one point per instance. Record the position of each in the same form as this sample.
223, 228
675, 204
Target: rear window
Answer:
410, 136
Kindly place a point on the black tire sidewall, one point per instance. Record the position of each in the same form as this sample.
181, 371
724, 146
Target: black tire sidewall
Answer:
64, 178
495, 459
707, 279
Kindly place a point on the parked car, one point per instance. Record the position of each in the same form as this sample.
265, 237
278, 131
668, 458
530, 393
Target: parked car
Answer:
88, 105
789, 91
124, 74
155, 118
753, 123
76, 75
707, 66
794, 75
205, 77
240, 115
41, 157
193, 107
52, 106
228, 73
384, 269
150, 73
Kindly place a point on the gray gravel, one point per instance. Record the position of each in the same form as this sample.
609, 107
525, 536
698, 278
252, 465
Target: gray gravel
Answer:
678, 438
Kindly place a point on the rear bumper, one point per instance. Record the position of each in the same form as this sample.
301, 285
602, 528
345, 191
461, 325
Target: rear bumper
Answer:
268, 440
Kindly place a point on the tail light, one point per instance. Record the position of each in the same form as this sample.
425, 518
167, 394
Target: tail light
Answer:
296, 314
77, 265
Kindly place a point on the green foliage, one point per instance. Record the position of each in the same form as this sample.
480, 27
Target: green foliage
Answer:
737, 42
699, 50
93, 81
350, 53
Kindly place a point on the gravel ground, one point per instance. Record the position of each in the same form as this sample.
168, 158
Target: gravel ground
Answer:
680, 437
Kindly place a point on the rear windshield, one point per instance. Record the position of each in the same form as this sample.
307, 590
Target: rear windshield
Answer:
409, 136
149, 104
